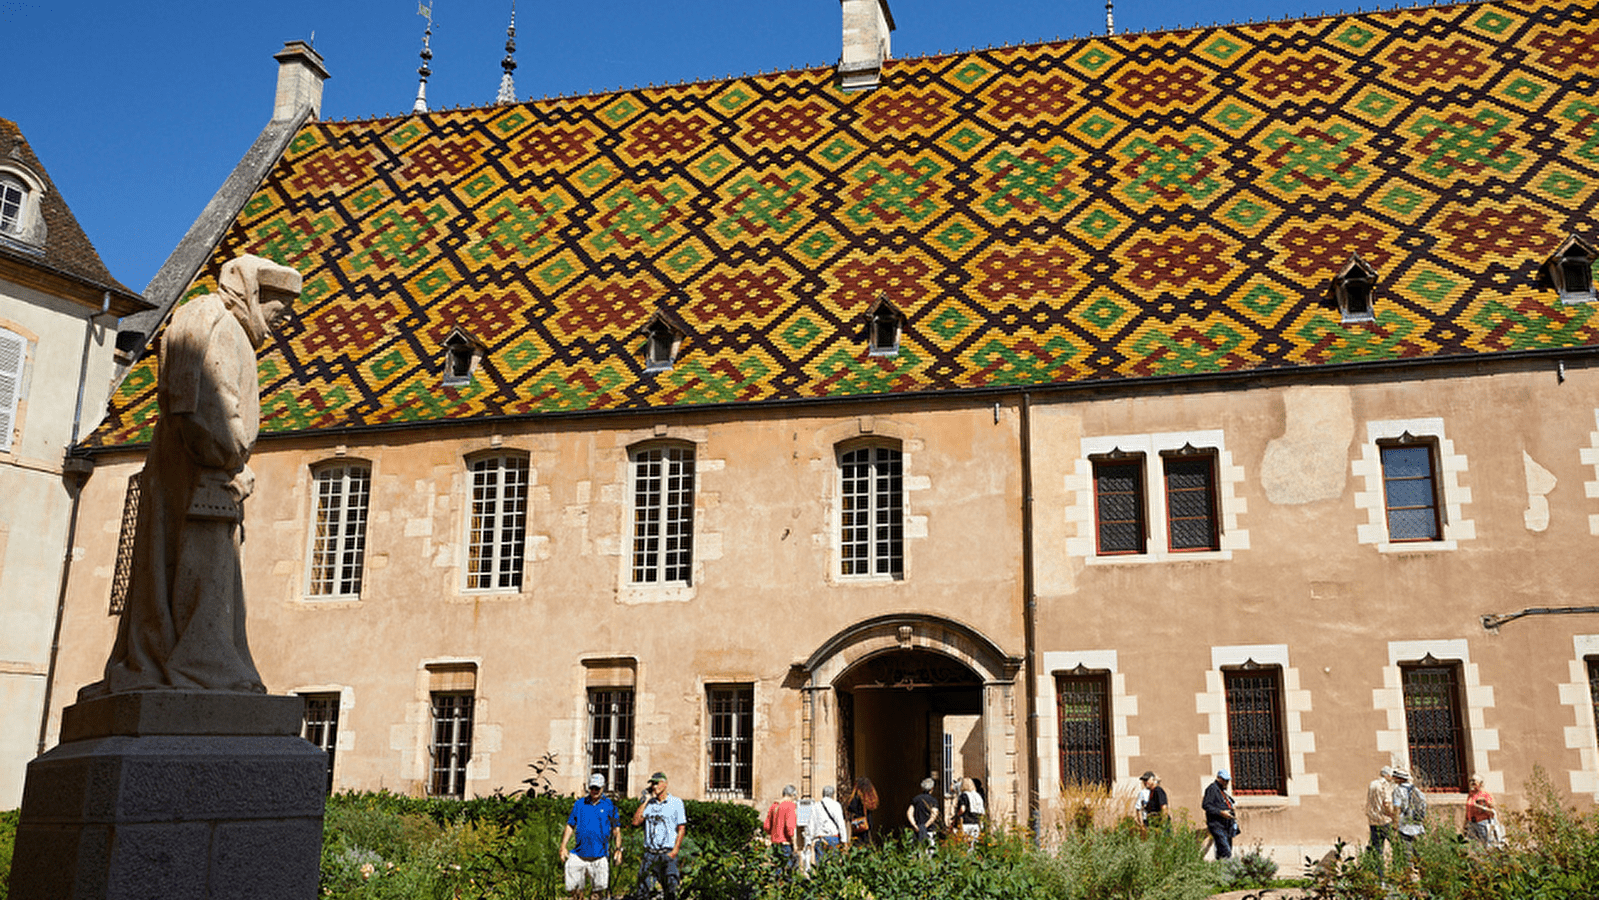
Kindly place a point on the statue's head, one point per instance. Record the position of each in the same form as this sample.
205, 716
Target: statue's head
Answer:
259, 292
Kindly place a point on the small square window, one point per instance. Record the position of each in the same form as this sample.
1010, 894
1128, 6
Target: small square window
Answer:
1410, 495
1119, 505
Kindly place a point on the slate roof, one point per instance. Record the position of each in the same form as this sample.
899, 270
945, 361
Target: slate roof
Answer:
66, 251
1090, 211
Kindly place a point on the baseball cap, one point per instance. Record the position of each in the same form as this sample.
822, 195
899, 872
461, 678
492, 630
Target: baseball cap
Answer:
1224, 775
597, 780
658, 776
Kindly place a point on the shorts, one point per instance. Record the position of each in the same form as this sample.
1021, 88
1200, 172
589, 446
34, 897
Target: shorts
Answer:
596, 870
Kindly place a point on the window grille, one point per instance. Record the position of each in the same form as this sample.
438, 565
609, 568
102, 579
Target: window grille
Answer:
1082, 703
1119, 506
1409, 493
338, 549
731, 746
452, 743
1191, 501
1434, 727
1593, 690
873, 512
498, 530
321, 726
13, 356
663, 515
611, 736
1255, 730
123, 576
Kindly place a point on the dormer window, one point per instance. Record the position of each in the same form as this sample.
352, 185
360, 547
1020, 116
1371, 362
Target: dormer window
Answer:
461, 356
13, 200
19, 206
1354, 286
663, 338
884, 326
1570, 269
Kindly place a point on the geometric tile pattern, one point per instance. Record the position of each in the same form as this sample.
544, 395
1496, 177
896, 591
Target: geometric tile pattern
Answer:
1136, 206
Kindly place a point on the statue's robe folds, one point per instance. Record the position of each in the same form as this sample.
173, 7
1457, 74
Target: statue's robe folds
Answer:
184, 624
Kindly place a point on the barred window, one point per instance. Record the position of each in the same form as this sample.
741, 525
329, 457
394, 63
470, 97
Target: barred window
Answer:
731, 749
451, 748
873, 512
1410, 495
611, 735
1255, 730
1119, 505
1082, 701
1191, 500
321, 726
123, 576
13, 357
1593, 688
663, 515
498, 528
338, 540
1434, 725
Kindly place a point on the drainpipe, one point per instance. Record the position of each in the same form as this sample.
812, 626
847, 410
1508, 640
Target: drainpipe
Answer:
1029, 614
83, 368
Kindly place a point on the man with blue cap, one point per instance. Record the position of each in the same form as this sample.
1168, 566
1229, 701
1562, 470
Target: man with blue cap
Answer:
1220, 817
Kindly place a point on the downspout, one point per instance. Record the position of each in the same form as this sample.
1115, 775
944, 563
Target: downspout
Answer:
75, 472
1029, 615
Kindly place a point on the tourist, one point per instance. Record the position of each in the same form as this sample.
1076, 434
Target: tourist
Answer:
1156, 803
599, 835
782, 823
969, 811
862, 803
827, 823
664, 823
923, 814
1480, 813
1379, 813
1410, 809
1221, 817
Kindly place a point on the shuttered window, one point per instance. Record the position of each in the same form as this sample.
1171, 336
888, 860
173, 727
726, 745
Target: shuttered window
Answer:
13, 356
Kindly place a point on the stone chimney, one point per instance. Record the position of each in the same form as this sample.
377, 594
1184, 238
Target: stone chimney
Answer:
867, 26
300, 77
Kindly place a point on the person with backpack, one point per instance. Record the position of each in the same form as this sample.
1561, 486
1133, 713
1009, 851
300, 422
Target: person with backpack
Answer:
1410, 811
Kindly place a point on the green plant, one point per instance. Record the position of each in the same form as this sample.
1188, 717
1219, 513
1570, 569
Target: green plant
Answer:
1252, 869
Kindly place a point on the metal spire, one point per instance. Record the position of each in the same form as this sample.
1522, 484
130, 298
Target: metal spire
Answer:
507, 87
1110, 18
421, 104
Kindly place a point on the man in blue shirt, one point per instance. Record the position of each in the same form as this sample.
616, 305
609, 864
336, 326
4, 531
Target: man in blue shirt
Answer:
594, 820
664, 823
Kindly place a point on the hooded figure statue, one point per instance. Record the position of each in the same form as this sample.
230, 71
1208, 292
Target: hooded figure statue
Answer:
183, 626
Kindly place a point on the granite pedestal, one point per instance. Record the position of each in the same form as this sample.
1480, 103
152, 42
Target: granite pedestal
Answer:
176, 795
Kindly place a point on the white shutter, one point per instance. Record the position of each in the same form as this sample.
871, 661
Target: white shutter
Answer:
13, 354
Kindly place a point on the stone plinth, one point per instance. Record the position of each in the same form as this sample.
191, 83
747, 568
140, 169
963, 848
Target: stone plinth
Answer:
176, 795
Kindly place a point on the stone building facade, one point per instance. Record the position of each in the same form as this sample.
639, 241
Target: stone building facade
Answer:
1181, 401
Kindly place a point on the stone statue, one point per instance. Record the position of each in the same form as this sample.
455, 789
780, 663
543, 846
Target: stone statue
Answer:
183, 627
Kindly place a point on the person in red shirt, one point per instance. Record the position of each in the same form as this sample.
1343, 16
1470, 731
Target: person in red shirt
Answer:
782, 823
1479, 812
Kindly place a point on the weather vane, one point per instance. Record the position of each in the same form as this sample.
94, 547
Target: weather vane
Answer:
421, 104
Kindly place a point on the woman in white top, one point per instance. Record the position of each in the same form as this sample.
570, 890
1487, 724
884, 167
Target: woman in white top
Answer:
969, 810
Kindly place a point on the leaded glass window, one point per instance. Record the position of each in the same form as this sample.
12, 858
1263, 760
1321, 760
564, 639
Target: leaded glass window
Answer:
1191, 501
1409, 491
1119, 506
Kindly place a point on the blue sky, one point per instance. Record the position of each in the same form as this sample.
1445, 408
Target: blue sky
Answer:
139, 110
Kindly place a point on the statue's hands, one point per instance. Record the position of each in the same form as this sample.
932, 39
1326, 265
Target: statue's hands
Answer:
243, 484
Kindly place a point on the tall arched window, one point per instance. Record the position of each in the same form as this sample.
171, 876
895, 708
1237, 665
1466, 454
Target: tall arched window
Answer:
338, 529
497, 525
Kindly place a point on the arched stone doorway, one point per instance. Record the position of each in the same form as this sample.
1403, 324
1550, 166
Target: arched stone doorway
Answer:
880, 695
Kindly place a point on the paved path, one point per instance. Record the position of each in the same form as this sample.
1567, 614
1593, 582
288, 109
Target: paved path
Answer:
1270, 894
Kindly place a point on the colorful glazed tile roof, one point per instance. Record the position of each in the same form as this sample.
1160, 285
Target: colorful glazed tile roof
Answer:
1137, 206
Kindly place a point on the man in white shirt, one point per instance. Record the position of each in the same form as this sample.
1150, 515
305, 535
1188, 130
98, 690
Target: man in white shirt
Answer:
827, 823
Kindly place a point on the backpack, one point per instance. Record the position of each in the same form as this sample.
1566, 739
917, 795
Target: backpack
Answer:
1412, 809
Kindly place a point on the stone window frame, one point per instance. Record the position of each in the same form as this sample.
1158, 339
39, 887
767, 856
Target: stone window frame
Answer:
343, 736
1453, 496
1231, 506
516, 520
875, 500
1583, 734
746, 742
1389, 699
1300, 742
1125, 746
325, 557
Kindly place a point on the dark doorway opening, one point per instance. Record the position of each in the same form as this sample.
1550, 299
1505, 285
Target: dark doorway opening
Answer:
906, 715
